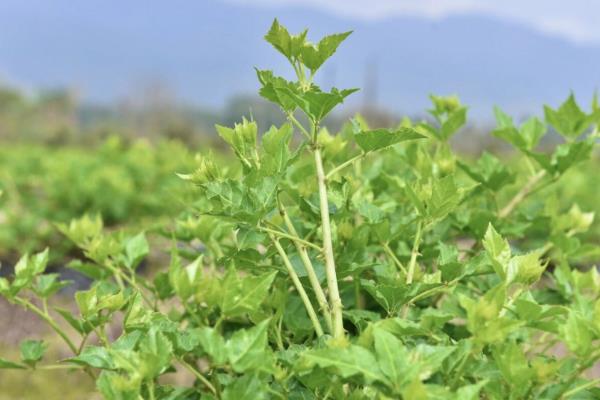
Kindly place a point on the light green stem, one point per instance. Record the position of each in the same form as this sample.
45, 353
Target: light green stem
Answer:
199, 376
579, 388
344, 165
299, 288
308, 266
49, 320
522, 194
390, 253
413, 255
294, 238
335, 302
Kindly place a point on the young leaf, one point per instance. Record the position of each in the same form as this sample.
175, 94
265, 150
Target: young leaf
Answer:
568, 120
136, 248
32, 351
288, 45
498, 250
313, 56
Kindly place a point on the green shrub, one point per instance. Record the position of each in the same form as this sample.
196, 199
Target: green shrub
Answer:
375, 263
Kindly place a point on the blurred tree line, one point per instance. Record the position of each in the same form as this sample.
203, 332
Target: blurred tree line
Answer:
57, 117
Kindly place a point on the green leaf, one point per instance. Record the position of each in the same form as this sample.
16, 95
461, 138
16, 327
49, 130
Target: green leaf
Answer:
87, 301
313, 56
346, 362
514, 366
6, 364
524, 138
136, 248
276, 89
93, 356
455, 121
213, 344
378, 139
4, 287
247, 349
569, 120
445, 197
483, 316
577, 334
27, 269
489, 171
498, 250
393, 359
77, 324
248, 387
276, 153
156, 352
32, 351
48, 284
525, 269
315, 103
288, 45
241, 296
569, 154
114, 386
185, 280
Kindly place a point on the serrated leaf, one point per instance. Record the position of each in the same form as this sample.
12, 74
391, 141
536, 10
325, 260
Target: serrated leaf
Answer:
247, 387
313, 56
568, 120
315, 103
346, 362
247, 349
287, 44
93, 356
242, 296
378, 139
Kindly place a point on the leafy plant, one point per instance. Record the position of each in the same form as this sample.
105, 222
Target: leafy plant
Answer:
375, 263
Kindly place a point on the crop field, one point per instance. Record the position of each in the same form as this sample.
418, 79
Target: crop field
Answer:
305, 263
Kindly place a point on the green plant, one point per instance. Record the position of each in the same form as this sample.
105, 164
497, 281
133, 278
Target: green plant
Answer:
375, 263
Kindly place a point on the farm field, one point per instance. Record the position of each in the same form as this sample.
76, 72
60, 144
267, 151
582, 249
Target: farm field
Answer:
305, 263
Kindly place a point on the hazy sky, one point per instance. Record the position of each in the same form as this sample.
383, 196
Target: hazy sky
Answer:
517, 54
576, 20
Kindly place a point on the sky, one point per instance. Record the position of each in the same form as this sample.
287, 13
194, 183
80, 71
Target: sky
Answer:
575, 20
515, 54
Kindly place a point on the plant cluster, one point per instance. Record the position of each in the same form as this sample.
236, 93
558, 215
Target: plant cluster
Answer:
128, 184
370, 264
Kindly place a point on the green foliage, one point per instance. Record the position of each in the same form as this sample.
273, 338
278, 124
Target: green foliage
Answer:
370, 264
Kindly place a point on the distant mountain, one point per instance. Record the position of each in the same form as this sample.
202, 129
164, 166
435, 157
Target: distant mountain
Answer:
205, 51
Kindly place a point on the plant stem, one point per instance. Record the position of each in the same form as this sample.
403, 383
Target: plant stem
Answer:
151, 389
522, 194
413, 255
49, 320
293, 238
344, 165
198, 375
120, 276
308, 266
579, 388
334, 295
390, 253
299, 126
299, 288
